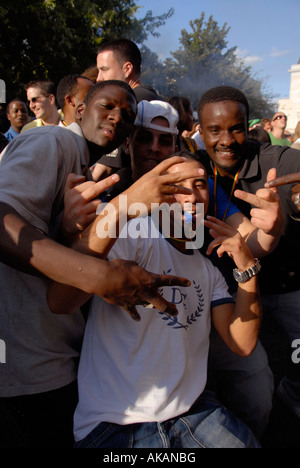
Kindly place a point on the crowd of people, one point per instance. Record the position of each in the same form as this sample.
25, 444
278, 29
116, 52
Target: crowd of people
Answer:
132, 340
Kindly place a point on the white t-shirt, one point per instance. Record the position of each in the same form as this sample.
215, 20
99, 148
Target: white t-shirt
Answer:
155, 369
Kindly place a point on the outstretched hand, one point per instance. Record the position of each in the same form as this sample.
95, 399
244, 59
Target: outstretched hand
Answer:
267, 214
159, 186
228, 240
132, 286
81, 202
124, 283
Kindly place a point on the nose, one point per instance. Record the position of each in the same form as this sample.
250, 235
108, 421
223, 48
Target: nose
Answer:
31, 105
115, 115
99, 77
155, 146
191, 198
226, 138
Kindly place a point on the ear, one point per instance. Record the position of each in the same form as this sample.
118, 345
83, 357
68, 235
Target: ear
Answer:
70, 100
200, 132
80, 111
126, 145
51, 98
127, 69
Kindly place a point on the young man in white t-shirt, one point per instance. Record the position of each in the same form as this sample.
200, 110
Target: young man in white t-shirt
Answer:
141, 384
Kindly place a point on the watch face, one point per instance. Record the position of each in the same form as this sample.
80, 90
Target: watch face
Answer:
241, 276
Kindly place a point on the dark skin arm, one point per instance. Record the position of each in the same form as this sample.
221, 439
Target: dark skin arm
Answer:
286, 180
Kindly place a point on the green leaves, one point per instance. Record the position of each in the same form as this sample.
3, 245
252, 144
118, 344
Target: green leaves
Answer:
53, 38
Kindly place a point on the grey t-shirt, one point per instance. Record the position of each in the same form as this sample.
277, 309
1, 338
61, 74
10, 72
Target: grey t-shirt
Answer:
41, 348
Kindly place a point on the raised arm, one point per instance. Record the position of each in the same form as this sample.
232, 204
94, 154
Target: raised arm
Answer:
238, 324
263, 232
154, 187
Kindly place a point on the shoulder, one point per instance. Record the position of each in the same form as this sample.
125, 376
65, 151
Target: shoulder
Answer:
35, 123
146, 93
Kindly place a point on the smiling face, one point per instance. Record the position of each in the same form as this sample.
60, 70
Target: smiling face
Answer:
41, 106
224, 132
108, 117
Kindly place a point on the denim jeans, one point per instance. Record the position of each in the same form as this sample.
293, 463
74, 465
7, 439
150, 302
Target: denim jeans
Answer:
285, 309
245, 385
207, 425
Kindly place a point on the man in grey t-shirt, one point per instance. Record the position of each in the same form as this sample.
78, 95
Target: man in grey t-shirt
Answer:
38, 377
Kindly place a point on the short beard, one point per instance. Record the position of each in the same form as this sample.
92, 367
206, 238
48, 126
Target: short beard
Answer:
234, 168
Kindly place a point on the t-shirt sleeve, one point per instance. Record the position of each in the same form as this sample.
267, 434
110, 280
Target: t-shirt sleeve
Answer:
29, 172
222, 203
220, 293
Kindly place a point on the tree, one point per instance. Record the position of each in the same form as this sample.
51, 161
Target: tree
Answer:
47, 39
204, 61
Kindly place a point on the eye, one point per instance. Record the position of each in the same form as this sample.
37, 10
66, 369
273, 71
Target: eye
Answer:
165, 140
201, 184
214, 131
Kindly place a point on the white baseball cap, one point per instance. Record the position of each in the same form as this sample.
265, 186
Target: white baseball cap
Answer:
149, 110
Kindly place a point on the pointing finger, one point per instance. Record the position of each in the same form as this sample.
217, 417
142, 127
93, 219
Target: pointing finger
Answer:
96, 188
284, 180
167, 163
248, 198
170, 280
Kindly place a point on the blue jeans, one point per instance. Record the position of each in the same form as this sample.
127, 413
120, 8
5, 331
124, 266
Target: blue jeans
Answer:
207, 425
245, 385
285, 309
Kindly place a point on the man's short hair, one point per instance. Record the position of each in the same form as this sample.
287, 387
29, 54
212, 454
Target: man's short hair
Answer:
16, 99
222, 93
67, 85
101, 84
47, 87
124, 51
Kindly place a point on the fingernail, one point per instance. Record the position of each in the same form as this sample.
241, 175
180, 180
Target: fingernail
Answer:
115, 177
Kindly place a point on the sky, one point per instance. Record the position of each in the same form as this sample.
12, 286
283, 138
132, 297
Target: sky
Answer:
266, 34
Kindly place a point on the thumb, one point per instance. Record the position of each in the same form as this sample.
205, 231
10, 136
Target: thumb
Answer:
73, 180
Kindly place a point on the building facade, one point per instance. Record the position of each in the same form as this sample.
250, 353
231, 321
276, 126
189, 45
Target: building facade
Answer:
291, 106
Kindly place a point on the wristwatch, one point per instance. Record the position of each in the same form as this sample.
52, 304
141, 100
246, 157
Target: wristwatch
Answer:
243, 276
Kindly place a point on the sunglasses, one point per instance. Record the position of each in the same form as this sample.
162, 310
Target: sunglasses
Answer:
279, 117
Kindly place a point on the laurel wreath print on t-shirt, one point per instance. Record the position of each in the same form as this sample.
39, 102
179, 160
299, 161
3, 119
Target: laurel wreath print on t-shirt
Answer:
190, 318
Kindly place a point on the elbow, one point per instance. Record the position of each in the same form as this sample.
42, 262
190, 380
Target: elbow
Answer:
246, 349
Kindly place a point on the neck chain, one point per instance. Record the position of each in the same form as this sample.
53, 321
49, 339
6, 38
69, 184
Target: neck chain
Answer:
235, 180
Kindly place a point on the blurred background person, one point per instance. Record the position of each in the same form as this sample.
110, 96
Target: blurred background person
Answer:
17, 114
71, 91
278, 125
42, 102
